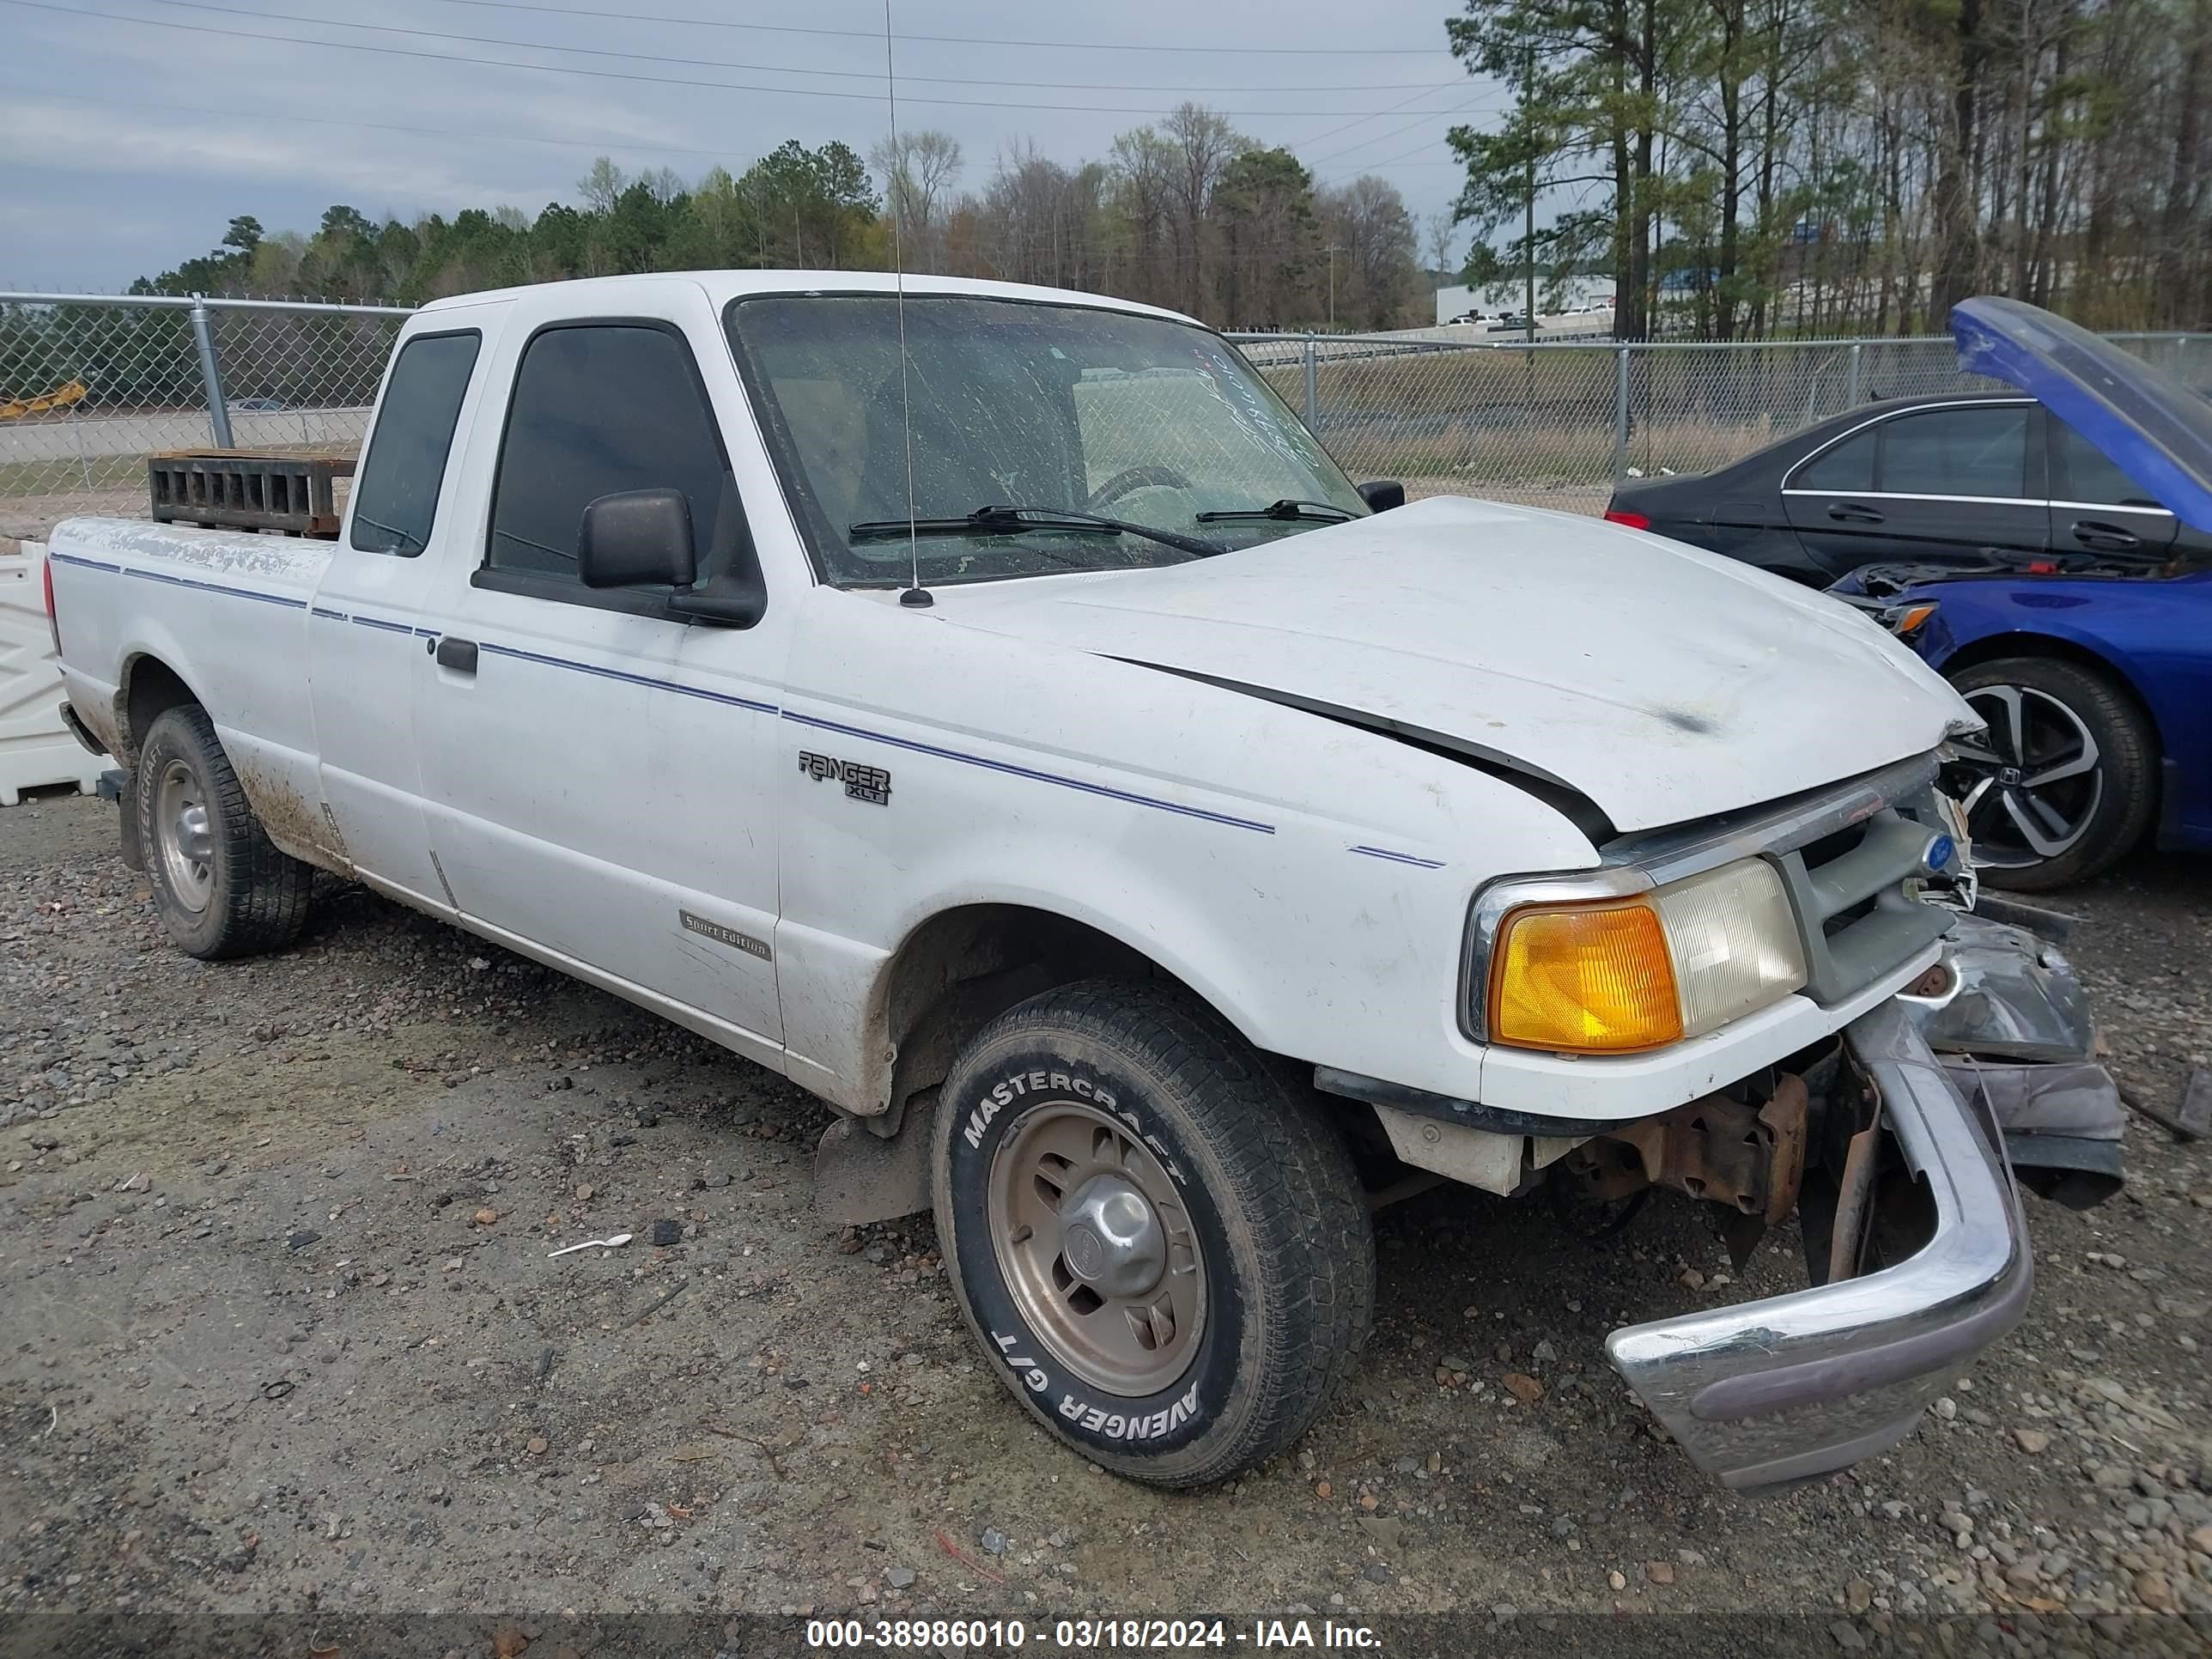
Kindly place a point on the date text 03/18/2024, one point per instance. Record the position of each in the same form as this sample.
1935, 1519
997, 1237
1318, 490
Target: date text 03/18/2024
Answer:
1086, 1635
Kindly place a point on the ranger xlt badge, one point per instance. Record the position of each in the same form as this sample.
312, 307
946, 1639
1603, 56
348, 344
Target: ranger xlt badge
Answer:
861, 782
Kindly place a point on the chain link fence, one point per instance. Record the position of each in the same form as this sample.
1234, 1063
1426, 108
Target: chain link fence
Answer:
1555, 423
91, 385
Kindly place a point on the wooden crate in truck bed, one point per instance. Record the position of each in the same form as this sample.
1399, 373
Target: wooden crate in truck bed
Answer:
241, 490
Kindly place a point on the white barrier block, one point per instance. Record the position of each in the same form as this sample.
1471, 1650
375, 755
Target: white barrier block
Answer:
36, 749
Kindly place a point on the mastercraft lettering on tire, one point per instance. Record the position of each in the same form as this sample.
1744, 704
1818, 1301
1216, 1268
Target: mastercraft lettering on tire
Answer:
1123, 1246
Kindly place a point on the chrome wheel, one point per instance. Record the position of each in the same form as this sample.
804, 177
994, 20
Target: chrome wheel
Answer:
2031, 783
1097, 1249
187, 843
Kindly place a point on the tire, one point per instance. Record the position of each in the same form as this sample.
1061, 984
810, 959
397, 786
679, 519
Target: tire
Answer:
1266, 1263
222, 888
2084, 819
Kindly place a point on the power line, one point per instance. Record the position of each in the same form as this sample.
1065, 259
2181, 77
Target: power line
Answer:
767, 69
608, 142
620, 75
1240, 51
604, 143
1467, 108
1442, 86
1400, 160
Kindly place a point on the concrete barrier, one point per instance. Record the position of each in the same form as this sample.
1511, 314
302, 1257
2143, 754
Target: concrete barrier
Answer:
36, 750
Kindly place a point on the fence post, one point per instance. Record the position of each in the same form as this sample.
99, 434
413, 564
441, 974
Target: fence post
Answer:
1620, 413
1313, 391
211, 376
1851, 378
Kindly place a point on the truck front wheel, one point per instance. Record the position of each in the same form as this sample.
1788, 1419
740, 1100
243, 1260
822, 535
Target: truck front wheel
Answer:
1163, 1250
221, 885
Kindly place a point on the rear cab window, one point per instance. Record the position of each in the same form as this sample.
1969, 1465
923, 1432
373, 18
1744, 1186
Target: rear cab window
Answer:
395, 498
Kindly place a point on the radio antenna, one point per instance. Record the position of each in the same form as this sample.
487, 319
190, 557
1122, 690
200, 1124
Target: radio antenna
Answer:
915, 593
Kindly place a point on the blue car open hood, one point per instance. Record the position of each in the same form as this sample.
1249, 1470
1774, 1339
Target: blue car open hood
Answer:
2148, 425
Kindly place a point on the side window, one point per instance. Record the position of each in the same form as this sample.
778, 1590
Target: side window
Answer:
1956, 451
1848, 469
2090, 477
396, 496
600, 408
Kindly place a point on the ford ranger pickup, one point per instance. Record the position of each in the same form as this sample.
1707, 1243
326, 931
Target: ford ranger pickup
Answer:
989, 707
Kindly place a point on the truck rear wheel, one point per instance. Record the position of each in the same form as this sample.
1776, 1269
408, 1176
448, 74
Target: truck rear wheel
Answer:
221, 886
1163, 1249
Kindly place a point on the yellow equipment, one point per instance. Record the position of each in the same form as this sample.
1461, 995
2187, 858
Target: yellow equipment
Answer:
15, 408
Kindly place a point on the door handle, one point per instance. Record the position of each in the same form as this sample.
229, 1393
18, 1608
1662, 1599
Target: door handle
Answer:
1852, 513
2110, 537
460, 655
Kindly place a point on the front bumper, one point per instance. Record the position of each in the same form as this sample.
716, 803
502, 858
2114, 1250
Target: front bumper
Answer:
1777, 1391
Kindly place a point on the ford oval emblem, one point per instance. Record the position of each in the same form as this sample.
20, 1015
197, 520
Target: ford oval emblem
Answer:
1938, 855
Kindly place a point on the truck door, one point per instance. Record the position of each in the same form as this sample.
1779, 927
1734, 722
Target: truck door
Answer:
595, 769
365, 632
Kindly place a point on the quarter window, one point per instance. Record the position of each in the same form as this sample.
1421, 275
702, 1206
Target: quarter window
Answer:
1972, 451
600, 408
1848, 469
396, 497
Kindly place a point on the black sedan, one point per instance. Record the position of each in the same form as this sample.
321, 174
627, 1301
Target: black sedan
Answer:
1935, 480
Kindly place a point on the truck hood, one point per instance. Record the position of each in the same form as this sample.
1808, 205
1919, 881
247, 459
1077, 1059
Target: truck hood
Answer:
1661, 683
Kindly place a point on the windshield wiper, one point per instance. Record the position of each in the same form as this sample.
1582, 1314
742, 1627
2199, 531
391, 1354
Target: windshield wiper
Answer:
999, 519
1316, 512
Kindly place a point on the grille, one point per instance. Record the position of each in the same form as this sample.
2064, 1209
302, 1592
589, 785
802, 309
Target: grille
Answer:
1855, 918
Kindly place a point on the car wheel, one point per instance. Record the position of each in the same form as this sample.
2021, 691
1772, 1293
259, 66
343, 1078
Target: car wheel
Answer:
221, 887
2063, 781
1163, 1249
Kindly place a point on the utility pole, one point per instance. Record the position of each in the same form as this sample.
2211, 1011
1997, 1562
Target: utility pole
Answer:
1528, 244
1333, 249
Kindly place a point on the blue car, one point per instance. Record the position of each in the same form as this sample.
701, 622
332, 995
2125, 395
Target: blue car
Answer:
2094, 670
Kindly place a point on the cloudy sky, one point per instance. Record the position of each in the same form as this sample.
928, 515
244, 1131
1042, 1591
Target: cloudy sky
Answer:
133, 129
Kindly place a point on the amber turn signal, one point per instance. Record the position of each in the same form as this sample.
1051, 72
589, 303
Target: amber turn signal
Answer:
1585, 978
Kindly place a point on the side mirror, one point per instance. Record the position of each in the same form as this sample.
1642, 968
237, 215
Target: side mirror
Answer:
637, 536
1382, 493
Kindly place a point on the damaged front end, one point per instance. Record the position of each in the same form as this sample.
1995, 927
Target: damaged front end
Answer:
1919, 1259
2013, 1031
1898, 1148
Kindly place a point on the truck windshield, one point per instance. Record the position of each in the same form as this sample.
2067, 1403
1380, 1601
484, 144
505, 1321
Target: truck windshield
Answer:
1059, 411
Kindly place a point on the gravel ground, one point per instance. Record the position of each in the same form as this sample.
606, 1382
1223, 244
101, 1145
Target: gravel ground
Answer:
278, 1329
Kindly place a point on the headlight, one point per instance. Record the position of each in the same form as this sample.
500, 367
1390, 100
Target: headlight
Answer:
1616, 976
1906, 620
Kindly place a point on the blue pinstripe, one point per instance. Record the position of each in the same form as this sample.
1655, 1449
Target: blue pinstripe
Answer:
913, 746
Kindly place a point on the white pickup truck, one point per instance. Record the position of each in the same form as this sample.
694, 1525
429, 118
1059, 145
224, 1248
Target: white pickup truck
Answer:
992, 709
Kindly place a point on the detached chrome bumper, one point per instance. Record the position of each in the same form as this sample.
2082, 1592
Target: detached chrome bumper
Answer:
1771, 1392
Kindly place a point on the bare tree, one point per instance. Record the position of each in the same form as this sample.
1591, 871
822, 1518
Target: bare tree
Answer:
1376, 274
1441, 231
602, 188
918, 170
1202, 144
